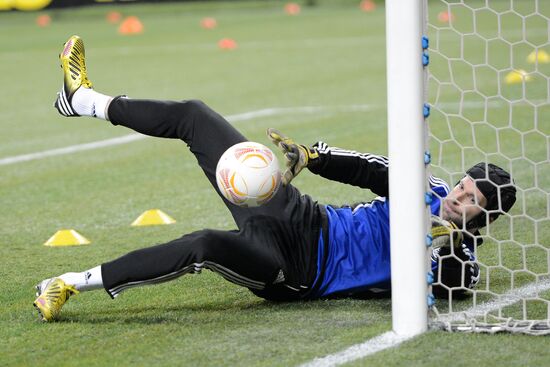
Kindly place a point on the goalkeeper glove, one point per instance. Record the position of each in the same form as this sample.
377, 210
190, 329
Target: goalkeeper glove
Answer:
458, 271
445, 233
297, 156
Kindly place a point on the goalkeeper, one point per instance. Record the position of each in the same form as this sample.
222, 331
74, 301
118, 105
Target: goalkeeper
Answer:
291, 248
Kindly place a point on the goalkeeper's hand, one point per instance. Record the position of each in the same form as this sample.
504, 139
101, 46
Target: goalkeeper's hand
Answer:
445, 233
296, 156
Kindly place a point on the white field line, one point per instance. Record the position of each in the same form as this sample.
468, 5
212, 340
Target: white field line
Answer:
390, 339
71, 149
371, 346
252, 45
529, 291
290, 110
135, 137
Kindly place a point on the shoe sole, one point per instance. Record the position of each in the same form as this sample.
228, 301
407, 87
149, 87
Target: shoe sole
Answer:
64, 57
38, 293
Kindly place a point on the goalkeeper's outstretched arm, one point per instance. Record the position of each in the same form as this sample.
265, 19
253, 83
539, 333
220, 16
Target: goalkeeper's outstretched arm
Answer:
364, 170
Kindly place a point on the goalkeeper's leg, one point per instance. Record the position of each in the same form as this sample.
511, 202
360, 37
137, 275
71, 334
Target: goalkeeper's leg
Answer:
232, 255
206, 133
229, 254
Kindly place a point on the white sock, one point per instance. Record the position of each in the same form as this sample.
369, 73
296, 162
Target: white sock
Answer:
86, 281
88, 102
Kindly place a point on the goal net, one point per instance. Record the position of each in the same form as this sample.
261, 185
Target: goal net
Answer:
488, 88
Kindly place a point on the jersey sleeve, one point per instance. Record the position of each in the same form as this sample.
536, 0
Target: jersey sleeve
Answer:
439, 186
364, 170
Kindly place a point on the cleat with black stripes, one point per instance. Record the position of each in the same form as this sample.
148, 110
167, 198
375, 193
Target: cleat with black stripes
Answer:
53, 295
73, 63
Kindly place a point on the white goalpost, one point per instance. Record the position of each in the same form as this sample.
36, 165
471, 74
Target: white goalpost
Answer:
407, 178
487, 86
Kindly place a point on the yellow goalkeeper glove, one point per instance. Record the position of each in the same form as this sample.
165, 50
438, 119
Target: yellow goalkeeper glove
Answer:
445, 233
297, 156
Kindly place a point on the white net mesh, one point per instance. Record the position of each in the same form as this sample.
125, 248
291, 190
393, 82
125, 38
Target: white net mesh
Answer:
489, 91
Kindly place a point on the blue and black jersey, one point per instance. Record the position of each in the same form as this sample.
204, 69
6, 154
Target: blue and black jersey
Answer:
356, 255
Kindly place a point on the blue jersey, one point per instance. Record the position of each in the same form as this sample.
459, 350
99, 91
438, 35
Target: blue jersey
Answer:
357, 258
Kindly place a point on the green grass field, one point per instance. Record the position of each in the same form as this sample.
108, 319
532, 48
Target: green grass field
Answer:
331, 56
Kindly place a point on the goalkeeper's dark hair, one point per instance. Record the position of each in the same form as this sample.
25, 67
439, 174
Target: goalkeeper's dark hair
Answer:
498, 188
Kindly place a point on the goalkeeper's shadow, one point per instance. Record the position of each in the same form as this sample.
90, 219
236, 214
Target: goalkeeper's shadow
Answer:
217, 312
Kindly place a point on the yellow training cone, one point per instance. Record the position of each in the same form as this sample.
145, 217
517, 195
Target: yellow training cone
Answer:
539, 56
153, 217
517, 76
67, 237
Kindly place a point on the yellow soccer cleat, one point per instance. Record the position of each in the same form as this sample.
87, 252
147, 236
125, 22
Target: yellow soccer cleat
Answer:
73, 63
53, 295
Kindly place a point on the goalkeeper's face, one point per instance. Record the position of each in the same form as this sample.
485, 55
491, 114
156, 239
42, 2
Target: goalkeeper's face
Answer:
463, 203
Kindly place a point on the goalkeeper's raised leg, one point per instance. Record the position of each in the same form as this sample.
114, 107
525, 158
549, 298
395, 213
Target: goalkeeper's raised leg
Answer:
77, 97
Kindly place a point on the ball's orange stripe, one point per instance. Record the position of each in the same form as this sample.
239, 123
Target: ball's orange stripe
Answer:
270, 191
232, 183
258, 156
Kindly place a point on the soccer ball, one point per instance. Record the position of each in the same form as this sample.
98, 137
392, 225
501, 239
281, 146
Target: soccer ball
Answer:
248, 174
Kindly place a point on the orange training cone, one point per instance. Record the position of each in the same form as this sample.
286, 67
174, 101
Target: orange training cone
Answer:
445, 17
227, 44
113, 17
130, 25
43, 20
292, 9
367, 6
209, 23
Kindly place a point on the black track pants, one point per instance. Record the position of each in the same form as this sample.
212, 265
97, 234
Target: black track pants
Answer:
274, 250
